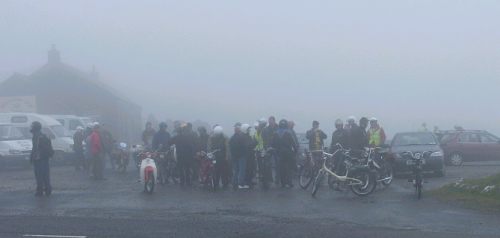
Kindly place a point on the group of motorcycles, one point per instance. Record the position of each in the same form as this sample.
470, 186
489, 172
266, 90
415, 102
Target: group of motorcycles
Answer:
359, 171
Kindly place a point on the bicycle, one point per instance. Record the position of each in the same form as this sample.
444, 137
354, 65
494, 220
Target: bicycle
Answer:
309, 169
358, 177
377, 162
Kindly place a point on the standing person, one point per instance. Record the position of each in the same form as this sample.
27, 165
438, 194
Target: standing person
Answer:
161, 139
218, 141
291, 126
267, 135
357, 138
283, 142
108, 145
376, 134
147, 135
185, 146
339, 136
202, 139
238, 149
40, 154
251, 165
97, 153
316, 139
78, 139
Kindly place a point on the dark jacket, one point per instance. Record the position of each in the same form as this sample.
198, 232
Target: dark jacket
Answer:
339, 136
203, 142
185, 144
268, 135
42, 147
161, 141
78, 138
284, 142
357, 138
240, 144
218, 142
316, 139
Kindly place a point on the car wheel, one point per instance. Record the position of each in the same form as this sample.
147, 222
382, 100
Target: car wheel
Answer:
456, 159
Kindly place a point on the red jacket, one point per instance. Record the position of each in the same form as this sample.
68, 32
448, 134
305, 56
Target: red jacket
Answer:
95, 143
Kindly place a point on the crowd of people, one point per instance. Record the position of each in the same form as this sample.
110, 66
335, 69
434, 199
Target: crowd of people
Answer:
237, 155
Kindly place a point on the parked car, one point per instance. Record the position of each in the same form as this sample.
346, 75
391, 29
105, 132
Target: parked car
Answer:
15, 148
417, 142
469, 145
62, 143
71, 122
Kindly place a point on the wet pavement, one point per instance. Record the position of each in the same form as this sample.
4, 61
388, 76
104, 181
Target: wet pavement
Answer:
117, 207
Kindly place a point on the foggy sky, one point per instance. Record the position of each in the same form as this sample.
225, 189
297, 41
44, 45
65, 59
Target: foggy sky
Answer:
404, 62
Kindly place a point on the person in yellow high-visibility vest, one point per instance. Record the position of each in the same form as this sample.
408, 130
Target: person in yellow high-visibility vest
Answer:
376, 134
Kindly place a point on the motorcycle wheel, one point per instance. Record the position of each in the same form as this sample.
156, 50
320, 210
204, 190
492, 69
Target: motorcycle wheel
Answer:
305, 176
418, 185
387, 176
368, 184
317, 183
213, 183
149, 185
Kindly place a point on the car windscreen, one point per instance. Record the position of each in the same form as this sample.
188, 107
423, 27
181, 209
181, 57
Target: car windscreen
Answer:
406, 139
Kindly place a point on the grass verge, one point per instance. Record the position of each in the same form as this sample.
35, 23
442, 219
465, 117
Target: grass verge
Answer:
482, 194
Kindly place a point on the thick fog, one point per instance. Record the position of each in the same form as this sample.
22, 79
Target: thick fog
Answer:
404, 62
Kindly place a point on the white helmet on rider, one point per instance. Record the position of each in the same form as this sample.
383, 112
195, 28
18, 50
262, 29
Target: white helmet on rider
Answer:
218, 130
262, 121
79, 128
373, 119
351, 119
123, 145
245, 128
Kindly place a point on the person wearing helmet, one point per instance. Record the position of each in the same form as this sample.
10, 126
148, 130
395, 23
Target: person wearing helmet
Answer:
161, 138
251, 164
376, 134
41, 152
357, 139
268, 136
284, 144
78, 139
147, 135
339, 136
239, 146
218, 141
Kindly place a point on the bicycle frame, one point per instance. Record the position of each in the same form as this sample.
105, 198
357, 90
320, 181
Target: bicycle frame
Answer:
342, 178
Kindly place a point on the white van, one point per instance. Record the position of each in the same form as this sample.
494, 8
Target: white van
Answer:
14, 145
71, 122
61, 142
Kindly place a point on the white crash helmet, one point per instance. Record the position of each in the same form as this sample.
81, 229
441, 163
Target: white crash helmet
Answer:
351, 119
245, 127
262, 121
373, 119
123, 145
79, 128
218, 130
339, 122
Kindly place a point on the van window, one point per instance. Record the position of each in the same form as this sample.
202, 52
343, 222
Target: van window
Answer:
19, 119
73, 124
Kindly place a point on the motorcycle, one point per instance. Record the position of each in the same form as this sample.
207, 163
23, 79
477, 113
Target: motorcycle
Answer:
136, 151
148, 172
120, 157
378, 162
167, 163
207, 170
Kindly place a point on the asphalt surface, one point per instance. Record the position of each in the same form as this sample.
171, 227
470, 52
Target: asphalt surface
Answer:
117, 207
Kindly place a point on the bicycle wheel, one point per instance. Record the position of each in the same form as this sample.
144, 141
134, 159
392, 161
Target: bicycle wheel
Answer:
368, 183
317, 183
306, 176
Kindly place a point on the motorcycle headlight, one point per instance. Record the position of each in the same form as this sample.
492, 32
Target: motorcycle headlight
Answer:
437, 154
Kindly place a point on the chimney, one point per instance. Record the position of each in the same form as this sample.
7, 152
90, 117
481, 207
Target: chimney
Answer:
53, 56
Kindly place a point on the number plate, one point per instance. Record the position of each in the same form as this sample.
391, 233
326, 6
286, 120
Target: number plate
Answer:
413, 162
